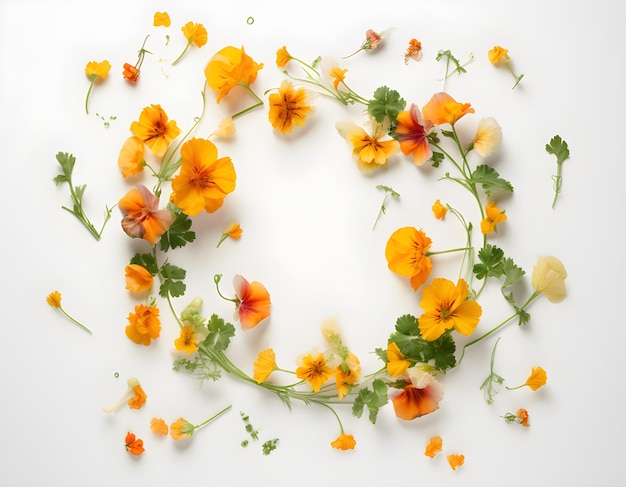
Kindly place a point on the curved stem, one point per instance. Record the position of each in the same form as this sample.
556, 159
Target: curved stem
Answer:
76, 322
197, 426
177, 60
88, 93
252, 107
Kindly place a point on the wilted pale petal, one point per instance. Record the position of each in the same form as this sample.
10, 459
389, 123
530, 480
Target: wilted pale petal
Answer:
549, 278
488, 137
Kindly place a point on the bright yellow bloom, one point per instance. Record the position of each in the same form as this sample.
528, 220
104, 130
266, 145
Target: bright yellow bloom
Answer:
455, 461
95, 69
494, 216
315, 370
144, 324
154, 128
439, 210
537, 378
264, 366
54, 299
498, 54
181, 429
228, 68
158, 426
188, 340
131, 159
138, 278
161, 18
406, 255
345, 379
282, 57
442, 109
204, 180
488, 137
338, 75
549, 278
434, 446
397, 364
139, 398
369, 151
195, 34
445, 307
289, 107
344, 442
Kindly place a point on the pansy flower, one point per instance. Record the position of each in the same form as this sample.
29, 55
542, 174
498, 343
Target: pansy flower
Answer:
445, 307
142, 216
155, 129
315, 370
204, 180
420, 396
289, 107
493, 216
369, 151
406, 254
131, 158
548, 278
252, 302
412, 133
442, 109
229, 67
144, 324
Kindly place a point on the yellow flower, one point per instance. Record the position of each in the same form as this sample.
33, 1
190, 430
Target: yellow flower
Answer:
188, 340
397, 364
537, 378
54, 299
158, 426
289, 107
282, 57
181, 429
338, 75
204, 180
439, 210
155, 129
549, 278
195, 34
131, 158
228, 68
95, 71
264, 365
138, 278
314, 370
406, 255
369, 151
161, 18
498, 54
344, 442
347, 374
434, 446
488, 137
455, 461
494, 216
445, 307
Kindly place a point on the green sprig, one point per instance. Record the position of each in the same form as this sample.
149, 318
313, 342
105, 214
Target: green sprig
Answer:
558, 147
488, 386
383, 208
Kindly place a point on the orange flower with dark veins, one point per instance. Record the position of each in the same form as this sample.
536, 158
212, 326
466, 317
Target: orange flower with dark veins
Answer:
252, 302
420, 396
406, 254
142, 217
155, 129
412, 132
289, 107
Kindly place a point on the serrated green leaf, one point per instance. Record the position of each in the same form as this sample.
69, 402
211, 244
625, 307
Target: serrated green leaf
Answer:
512, 273
407, 325
490, 180
179, 233
559, 148
220, 333
146, 260
490, 257
386, 103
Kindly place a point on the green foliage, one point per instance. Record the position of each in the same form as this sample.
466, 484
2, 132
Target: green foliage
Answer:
269, 446
383, 207
179, 233
437, 158
450, 59
559, 148
199, 368
146, 260
172, 280
489, 384
493, 263
220, 334
374, 398
490, 180
386, 103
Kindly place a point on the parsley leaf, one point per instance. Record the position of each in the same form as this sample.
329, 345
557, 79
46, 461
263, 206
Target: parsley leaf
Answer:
179, 233
172, 280
490, 180
386, 103
220, 333
488, 385
374, 399
491, 262
146, 260
559, 148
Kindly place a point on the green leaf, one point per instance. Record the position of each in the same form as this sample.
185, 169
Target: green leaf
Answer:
490, 180
67, 162
172, 280
179, 233
146, 260
386, 103
374, 399
559, 148
491, 265
407, 325
437, 158
512, 273
220, 333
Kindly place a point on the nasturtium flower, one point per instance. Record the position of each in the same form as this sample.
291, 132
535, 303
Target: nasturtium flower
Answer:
138, 278
434, 446
412, 133
252, 302
445, 307
229, 67
498, 54
195, 34
493, 216
138, 399
420, 396
344, 442
131, 158
144, 324
537, 378
442, 109
522, 416
142, 217
159, 427
181, 429
315, 370
264, 366
347, 374
289, 107
54, 299
439, 210
455, 461
134, 396
155, 129
283, 57
413, 51
130, 73
133, 445
406, 252
548, 278
204, 180
188, 340
488, 137
233, 231
95, 71
161, 18
397, 364
369, 151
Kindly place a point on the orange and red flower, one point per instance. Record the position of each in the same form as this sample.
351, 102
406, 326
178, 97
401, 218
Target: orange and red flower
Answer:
133, 445
412, 132
142, 217
420, 396
252, 302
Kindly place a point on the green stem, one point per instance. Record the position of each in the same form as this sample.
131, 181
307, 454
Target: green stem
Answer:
76, 322
438, 252
177, 60
252, 107
197, 426
88, 93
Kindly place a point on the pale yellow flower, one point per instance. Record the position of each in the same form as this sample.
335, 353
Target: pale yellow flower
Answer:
549, 278
488, 137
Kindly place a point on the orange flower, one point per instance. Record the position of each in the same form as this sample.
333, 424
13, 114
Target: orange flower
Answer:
412, 132
414, 51
434, 446
181, 429
369, 151
289, 107
161, 18
142, 217
446, 306
439, 210
522, 417
54, 299
139, 399
195, 34
455, 461
131, 159
338, 75
233, 231
187, 341
158, 426
144, 324
347, 374
282, 57
138, 278
537, 378
252, 302
228, 68
396, 362
225, 129
420, 396
95, 71
130, 73
406, 254
264, 366
314, 370
134, 445
442, 109
498, 54
344, 442
204, 180
494, 216
155, 129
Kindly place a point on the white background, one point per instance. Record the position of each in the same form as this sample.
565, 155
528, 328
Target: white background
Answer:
307, 214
